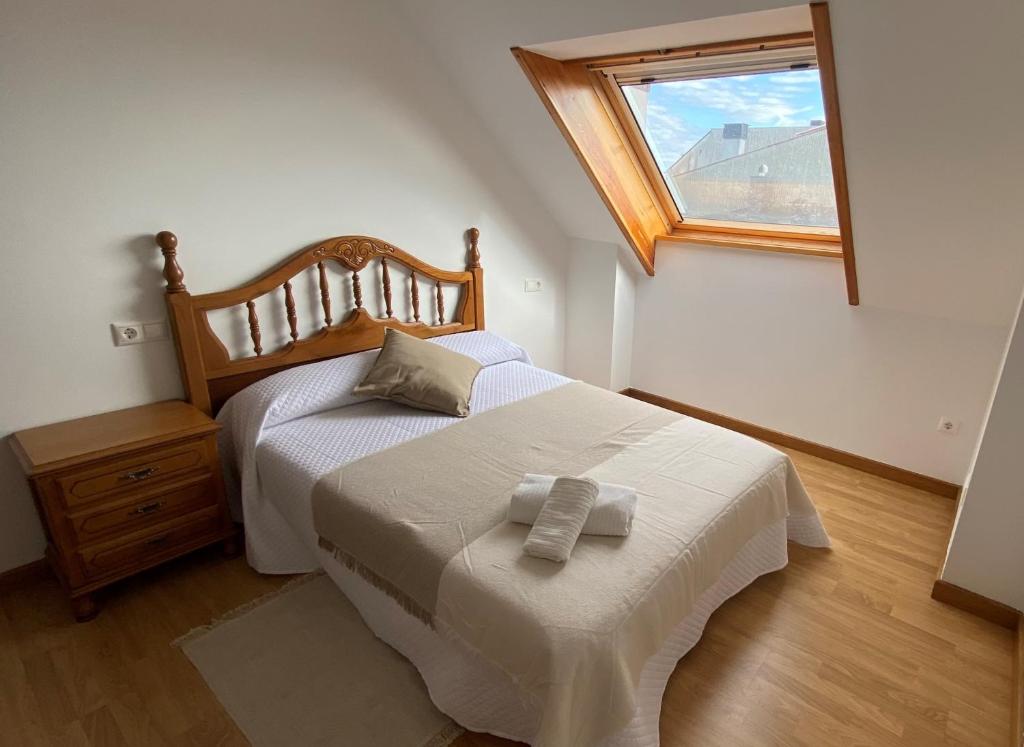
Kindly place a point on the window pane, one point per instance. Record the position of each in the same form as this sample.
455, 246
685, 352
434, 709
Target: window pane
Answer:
741, 148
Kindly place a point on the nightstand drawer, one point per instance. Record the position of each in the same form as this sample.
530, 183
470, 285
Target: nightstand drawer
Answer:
153, 507
101, 560
156, 465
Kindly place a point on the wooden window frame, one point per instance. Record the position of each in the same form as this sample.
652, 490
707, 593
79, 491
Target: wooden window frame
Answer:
601, 128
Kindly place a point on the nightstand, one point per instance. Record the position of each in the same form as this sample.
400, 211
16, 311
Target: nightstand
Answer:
124, 491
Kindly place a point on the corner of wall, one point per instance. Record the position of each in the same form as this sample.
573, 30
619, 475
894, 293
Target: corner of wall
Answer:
623, 321
600, 302
985, 554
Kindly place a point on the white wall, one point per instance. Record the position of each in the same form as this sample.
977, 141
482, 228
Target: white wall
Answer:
926, 88
590, 311
771, 340
600, 301
626, 275
931, 192
986, 551
251, 129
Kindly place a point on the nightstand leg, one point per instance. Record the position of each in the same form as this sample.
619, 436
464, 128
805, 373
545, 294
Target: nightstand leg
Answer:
230, 546
84, 607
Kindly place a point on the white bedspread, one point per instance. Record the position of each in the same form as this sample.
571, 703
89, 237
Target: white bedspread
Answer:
287, 431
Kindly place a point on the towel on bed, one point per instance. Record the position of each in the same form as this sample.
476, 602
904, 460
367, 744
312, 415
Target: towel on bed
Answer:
561, 519
612, 514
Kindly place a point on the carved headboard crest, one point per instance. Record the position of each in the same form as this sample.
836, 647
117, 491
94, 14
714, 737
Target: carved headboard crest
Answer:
211, 375
354, 253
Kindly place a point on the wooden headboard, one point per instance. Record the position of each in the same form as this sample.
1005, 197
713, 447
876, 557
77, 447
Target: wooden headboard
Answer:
211, 375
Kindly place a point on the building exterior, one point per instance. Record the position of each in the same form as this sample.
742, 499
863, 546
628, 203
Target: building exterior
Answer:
761, 174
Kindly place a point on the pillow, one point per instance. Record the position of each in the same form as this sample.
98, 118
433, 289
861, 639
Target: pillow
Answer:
420, 374
484, 346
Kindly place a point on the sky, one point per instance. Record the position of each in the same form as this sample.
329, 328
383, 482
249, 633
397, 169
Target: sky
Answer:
679, 113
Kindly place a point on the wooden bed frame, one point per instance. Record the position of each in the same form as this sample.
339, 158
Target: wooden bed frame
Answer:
211, 375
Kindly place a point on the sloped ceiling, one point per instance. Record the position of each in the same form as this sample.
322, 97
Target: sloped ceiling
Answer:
937, 246
472, 39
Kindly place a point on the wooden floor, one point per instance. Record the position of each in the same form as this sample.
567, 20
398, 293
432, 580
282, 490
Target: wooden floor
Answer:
843, 647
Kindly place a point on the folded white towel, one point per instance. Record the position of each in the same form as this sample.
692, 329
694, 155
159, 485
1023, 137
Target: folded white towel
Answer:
561, 518
612, 514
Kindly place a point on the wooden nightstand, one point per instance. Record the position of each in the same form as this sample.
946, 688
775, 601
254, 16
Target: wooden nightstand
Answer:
124, 491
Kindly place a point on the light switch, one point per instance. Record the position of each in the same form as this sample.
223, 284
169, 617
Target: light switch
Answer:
533, 285
154, 331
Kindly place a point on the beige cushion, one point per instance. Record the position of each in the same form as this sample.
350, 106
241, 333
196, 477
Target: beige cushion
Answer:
421, 374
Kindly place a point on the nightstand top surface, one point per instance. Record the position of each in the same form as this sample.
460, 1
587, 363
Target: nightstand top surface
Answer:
50, 447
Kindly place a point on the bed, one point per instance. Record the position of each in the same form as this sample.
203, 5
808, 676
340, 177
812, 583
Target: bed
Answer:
576, 656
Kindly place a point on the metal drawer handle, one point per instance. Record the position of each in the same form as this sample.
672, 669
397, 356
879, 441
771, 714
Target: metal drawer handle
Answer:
140, 474
148, 508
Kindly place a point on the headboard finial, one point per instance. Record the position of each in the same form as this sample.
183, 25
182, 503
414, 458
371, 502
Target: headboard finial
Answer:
173, 273
474, 249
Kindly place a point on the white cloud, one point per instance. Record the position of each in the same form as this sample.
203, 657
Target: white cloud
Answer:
740, 103
668, 135
683, 111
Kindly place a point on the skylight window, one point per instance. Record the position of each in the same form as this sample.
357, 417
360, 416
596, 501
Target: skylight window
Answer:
734, 138
749, 147
735, 144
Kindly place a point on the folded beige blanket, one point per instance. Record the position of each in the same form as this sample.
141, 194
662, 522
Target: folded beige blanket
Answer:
612, 514
561, 519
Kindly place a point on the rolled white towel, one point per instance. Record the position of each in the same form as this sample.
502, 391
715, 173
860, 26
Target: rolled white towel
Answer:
561, 518
612, 514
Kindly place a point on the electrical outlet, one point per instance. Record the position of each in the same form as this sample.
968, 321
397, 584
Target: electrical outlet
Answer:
133, 333
533, 285
127, 333
949, 426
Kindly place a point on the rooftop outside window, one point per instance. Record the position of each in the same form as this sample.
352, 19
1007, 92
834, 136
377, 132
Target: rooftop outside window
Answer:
750, 147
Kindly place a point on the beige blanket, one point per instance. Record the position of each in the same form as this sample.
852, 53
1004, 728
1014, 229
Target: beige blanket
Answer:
424, 521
